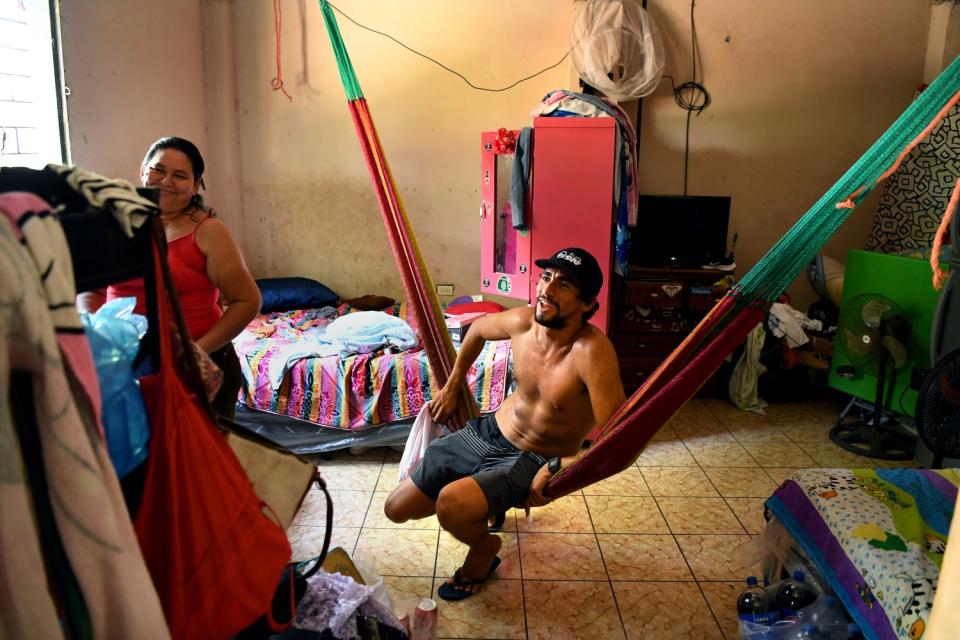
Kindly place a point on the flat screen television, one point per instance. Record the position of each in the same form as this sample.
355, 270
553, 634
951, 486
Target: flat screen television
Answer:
680, 231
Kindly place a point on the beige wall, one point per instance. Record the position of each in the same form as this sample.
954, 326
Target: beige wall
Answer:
799, 91
309, 206
128, 87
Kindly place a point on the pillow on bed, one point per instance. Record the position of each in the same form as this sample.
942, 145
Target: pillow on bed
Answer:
286, 294
484, 306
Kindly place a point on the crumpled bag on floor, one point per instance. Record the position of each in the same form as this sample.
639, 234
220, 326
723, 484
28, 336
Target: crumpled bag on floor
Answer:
331, 602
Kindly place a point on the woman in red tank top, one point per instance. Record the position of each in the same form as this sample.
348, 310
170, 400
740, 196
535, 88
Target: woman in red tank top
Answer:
204, 259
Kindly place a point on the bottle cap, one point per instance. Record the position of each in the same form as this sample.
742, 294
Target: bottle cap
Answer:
798, 576
751, 580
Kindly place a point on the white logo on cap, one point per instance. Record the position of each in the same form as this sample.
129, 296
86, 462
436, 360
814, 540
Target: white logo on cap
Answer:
569, 257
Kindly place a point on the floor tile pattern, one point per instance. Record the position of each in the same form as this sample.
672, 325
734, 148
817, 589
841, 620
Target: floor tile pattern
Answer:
648, 553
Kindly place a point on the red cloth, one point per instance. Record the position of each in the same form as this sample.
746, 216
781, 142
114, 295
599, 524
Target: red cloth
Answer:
198, 296
484, 306
214, 556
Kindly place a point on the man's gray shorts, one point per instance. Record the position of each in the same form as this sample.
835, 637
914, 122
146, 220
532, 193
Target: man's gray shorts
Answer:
479, 450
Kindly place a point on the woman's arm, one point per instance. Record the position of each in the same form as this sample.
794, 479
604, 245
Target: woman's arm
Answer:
228, 272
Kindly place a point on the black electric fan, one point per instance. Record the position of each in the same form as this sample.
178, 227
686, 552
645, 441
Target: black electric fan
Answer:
873, 334
938, 409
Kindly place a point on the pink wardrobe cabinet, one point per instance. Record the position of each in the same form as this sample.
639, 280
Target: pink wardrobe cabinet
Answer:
570, 204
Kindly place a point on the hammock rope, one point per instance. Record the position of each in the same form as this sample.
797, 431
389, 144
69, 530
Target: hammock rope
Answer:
678, 378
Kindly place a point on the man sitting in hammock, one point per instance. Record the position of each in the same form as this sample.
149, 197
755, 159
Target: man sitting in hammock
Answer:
567, 380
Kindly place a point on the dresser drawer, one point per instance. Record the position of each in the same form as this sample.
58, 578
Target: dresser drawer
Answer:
704, 298
654, 293
645, 345
640, 319
633, 371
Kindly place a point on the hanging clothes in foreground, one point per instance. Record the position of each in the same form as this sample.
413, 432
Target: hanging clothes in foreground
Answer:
103, 585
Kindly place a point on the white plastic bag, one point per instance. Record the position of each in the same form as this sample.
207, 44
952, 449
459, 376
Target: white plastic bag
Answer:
616, 47
423, 432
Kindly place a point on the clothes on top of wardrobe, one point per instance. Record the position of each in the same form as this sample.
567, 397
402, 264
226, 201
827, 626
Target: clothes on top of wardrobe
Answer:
82, 490
198, 296
520, 178
564, 103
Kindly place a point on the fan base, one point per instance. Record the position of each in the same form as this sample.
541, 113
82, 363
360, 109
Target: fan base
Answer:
881, 441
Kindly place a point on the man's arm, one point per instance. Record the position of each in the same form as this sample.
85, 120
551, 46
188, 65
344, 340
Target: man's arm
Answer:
600, 372
497, 326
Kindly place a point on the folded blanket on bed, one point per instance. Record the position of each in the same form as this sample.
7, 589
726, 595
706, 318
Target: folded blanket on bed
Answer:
312, 344
368, 331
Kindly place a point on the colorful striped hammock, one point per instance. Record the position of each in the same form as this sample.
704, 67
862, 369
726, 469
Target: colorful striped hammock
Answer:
678, 378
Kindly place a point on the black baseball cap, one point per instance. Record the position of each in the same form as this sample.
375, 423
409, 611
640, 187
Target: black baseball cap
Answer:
578, 265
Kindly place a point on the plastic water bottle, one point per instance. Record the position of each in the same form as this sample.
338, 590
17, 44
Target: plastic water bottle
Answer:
754, 606
804, 632
825, 612
793, 595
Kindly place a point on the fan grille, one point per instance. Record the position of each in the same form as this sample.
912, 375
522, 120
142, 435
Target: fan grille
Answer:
938, 408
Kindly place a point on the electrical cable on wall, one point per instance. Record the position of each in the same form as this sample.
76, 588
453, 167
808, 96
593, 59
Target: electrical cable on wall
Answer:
691, 96
445, 67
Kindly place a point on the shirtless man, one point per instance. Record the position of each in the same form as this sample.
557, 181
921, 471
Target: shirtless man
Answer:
567, 380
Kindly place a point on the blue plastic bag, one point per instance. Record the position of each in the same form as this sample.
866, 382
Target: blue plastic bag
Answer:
114, 333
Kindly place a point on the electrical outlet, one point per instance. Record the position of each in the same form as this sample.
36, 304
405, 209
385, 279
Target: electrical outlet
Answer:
444, 289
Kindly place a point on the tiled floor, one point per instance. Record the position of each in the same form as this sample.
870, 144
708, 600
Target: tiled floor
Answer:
645, 554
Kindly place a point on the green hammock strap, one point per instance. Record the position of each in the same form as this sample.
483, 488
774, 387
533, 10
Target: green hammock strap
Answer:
350, 85
777, 269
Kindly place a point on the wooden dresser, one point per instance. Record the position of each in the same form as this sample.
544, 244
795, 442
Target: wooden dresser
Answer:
654, 312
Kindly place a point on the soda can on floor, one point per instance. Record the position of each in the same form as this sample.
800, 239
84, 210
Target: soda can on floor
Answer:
424, 625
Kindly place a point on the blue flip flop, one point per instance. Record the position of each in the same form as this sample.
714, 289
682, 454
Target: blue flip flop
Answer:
457, 590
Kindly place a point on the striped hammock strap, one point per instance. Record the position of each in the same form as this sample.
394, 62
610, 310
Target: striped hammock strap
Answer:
417, 284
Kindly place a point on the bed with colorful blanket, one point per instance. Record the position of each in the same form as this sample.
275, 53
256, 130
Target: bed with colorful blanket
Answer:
284, 375
875, 537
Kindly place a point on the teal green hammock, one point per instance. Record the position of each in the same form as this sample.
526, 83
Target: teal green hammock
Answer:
679, 377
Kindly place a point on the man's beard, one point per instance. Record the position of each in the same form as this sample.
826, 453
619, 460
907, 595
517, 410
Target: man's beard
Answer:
556, 322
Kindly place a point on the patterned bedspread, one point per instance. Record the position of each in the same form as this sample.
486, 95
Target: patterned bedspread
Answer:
357, 391
876, 536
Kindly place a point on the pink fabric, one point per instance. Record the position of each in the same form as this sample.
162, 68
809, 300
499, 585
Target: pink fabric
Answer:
198, 296
60, 289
